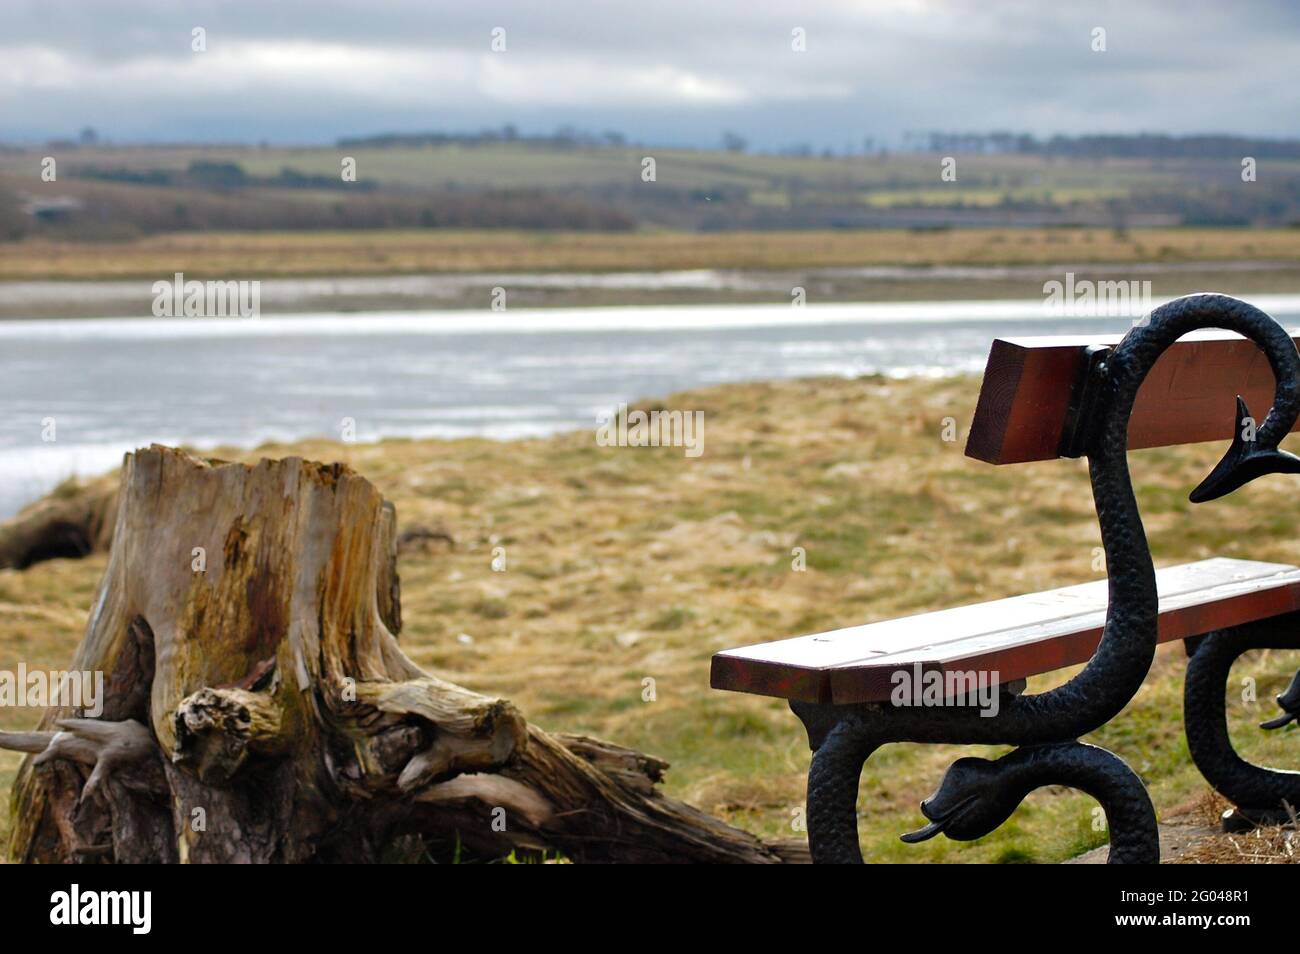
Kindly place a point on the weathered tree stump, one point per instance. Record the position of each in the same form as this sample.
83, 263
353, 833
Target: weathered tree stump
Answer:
258, 707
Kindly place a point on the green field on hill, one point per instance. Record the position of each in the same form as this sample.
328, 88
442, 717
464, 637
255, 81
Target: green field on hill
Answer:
108, 192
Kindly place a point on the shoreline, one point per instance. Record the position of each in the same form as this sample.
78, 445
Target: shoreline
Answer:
34, 300
596, 319
456, 270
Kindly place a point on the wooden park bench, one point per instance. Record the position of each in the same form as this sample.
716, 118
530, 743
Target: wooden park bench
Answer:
958, 675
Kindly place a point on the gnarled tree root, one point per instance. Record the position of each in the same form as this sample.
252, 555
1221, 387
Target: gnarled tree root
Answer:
258, 707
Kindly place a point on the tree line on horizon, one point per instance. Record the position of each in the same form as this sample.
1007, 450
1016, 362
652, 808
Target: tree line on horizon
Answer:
1085, 146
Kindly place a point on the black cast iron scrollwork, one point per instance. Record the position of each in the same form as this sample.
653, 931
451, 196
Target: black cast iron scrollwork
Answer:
976, 795
1261, 795
844, 737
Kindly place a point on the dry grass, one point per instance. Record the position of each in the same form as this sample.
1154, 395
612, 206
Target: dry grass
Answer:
628, 564
1277, 845
265, 255
1263, 846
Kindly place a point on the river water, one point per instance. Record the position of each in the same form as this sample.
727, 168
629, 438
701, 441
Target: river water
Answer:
109, 385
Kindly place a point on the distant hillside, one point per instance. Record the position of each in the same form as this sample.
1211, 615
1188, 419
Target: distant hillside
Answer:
604, 184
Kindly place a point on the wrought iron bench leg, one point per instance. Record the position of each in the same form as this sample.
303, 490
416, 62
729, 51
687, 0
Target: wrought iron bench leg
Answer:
833, 794
976, 795
1260, 794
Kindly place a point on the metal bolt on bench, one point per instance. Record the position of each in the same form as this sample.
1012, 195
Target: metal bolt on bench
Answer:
1044, 398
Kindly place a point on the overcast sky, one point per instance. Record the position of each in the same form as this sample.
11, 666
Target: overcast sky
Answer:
662, 71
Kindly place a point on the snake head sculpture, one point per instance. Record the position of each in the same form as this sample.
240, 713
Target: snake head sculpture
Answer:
966, 805
1252, 454
1289, 703
977, 795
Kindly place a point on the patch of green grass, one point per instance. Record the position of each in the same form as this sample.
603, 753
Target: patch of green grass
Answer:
492, 608
674, 618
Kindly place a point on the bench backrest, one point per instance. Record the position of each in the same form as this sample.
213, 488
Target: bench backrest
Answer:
1030, 384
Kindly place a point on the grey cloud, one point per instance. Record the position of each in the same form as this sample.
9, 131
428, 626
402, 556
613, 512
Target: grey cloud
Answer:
876, 68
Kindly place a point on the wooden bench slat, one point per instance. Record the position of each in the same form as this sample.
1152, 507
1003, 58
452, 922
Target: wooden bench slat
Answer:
1016, 637
1189, 396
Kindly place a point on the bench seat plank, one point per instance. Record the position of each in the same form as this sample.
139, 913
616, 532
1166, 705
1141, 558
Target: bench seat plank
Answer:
1017, 637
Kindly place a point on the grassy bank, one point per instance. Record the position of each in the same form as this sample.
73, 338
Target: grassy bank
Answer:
628, 564
269, 254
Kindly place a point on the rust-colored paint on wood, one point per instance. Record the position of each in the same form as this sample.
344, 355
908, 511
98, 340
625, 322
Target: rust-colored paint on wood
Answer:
1013, 638
1188, 397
